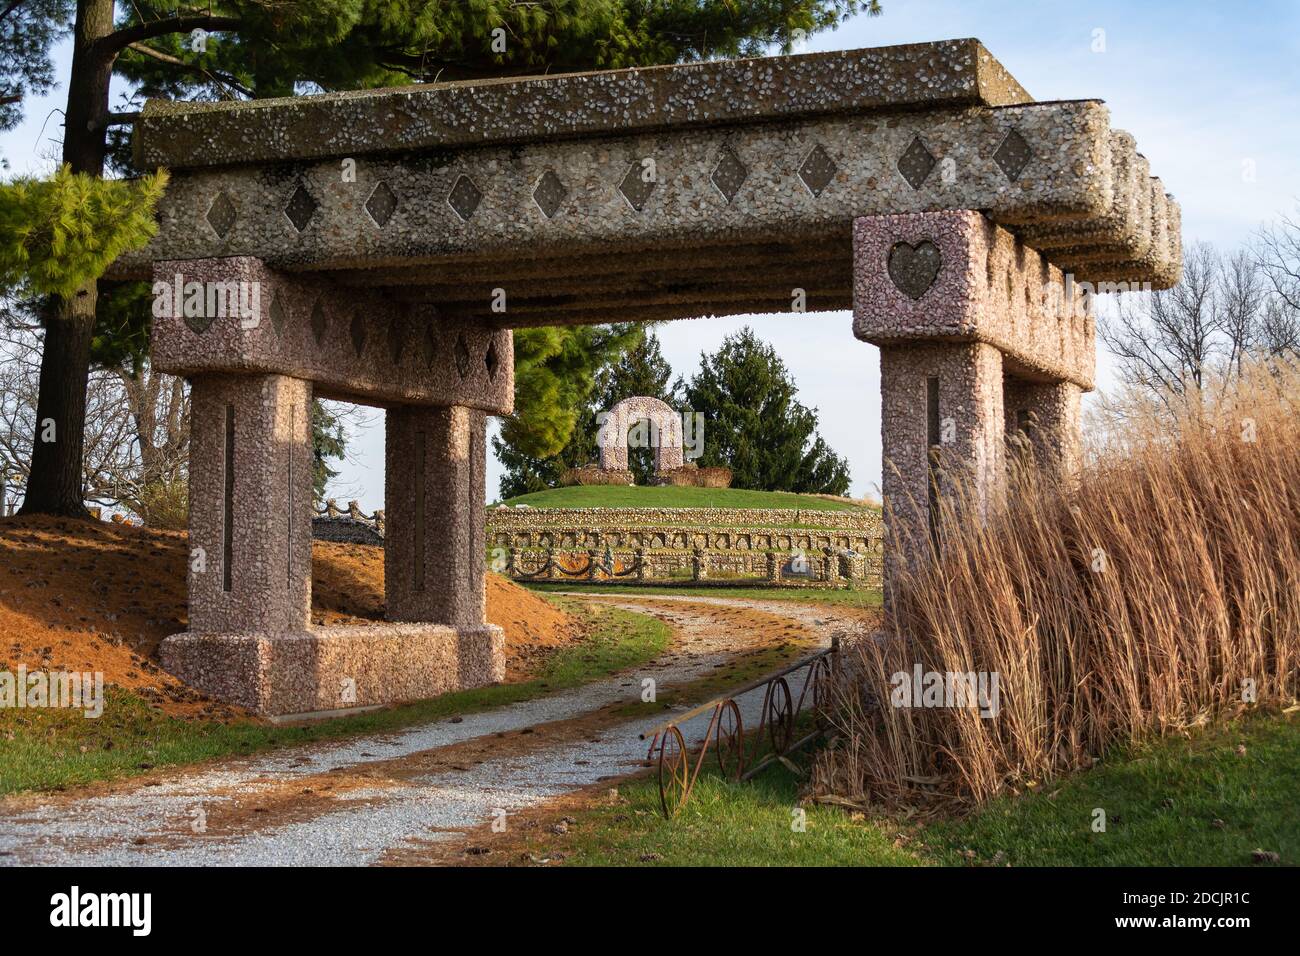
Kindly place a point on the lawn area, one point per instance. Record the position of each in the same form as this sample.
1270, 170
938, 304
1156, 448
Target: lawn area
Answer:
672, 496
1208, 801
45, 749
840, 597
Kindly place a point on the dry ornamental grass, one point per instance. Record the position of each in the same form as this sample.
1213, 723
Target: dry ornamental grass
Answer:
1157, 588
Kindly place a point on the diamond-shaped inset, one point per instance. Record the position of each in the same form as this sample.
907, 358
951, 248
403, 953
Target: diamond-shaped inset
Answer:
916, 163
221, 215
382, 204
279, 319
550, 193
1013, 155
462, 356
729, 173
301, 208
320, 321
430, 345
464, 197
358, 333
396, 339
639, 183
817, 170
492, 361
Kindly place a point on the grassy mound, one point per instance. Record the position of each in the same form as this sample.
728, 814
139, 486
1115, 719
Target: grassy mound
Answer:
669, 496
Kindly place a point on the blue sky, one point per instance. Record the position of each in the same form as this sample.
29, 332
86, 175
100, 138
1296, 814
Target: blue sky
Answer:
1209, 89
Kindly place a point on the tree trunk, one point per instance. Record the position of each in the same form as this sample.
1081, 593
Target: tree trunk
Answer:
54, 485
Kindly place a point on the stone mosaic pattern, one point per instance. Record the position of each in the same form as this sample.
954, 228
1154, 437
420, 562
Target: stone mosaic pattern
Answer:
756, 537
336, 668
978, 344
667, 425
353, 346
953, 73
528, 519
268, 587
561, 219
444, 542
978, 284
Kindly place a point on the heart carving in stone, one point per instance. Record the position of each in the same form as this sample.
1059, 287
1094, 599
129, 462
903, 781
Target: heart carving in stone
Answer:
199, 323
914, 267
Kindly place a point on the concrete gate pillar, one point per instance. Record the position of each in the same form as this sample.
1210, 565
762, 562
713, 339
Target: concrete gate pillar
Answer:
941, 421
1047, 415
250, 488
977, 338
257, 346
435, 461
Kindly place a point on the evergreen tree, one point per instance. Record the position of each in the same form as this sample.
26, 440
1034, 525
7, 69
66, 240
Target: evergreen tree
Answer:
754, 425
27, 31
635, 369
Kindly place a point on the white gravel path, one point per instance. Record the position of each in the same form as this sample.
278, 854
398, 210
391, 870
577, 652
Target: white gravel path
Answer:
359, 826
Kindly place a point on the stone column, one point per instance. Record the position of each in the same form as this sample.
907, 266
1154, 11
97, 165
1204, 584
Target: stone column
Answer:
1048, 415
433, 495
942, 422
250, 495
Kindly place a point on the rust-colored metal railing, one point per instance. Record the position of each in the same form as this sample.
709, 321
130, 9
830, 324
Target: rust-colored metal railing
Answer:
734, 753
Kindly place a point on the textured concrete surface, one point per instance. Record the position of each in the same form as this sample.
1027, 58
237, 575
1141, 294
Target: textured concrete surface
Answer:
596, 197
434, 515
980, 284
352, 345
253, 507
971, 434
953, 73
337, 668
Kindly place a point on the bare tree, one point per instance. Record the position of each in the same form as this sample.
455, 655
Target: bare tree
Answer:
1166, 341
137, 423
1228, 311
1277, 251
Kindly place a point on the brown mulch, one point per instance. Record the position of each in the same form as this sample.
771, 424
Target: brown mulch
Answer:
97, 596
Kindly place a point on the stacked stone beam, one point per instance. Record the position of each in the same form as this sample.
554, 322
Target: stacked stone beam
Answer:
578, 202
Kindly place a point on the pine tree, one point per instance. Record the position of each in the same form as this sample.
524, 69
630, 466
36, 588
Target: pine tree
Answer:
754, 425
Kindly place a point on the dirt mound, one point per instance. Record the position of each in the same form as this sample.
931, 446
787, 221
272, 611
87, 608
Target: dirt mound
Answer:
90, 595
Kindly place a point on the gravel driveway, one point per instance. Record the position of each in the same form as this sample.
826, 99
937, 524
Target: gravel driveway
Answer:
350, 802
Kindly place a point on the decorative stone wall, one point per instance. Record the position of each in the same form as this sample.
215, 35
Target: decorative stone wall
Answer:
563, 544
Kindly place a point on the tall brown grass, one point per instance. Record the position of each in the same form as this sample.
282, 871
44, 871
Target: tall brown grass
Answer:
1141, 596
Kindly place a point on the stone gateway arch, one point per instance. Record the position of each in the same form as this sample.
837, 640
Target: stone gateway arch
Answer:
389, 240
664, 431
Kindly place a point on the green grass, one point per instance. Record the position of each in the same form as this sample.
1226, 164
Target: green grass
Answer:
53, 749
849, 597
1162, 801
672, 496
